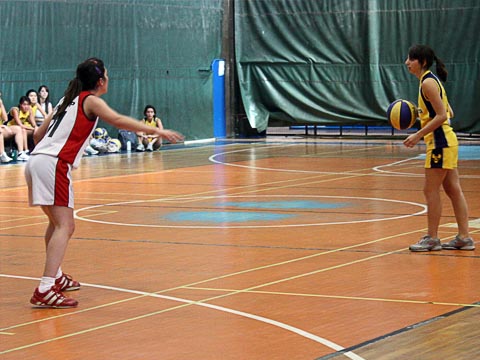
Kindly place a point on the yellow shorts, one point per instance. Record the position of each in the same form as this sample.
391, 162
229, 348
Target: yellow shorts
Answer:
444, 158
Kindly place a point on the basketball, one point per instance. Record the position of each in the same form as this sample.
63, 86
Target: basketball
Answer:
401, 114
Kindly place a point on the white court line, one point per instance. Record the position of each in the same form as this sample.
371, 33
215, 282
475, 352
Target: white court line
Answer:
397, 173
377, 169
263, 319
424, 210
212, 159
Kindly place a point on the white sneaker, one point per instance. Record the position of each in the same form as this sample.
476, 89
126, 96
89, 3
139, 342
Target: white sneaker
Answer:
5, 158
140, 147
90, 150
23, 156
149, 147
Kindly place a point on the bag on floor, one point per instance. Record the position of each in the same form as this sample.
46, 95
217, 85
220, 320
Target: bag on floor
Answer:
125, 136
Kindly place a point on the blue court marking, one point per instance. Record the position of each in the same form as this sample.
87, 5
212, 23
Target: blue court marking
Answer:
294, 204
224, 216
242, 216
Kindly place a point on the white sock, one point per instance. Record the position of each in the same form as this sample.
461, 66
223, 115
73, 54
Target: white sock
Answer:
46, 284
59, 273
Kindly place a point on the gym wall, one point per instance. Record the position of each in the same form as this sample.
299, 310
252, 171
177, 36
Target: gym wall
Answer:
157, 52
342, 61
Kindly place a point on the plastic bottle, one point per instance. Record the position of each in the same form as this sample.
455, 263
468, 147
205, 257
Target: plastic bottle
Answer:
129, 146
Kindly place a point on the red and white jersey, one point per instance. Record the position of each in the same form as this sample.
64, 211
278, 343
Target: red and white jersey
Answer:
68, 133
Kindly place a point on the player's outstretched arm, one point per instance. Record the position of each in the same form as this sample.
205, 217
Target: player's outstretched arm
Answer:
95, 106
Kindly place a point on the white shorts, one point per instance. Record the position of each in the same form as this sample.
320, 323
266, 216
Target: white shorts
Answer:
49, 181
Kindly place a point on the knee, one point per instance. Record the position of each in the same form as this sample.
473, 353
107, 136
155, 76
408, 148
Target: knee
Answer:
68, 228
452, 190
71, 228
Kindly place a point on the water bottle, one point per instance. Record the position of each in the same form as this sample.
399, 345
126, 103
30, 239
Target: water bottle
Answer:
14, 154
129, 146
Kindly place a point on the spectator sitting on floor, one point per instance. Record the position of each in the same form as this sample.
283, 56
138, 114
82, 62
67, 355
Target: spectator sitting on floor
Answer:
150, 142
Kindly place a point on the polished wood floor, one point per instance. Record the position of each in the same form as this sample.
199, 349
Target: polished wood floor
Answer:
269, 249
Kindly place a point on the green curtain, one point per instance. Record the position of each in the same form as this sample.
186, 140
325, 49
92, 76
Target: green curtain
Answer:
156, 52
342, 61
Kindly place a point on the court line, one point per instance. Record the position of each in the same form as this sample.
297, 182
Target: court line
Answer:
76, 212
210, 279
186, 302
239, 272
419, 157
396, 332
202, 302
213, 160
421, 302
396, 173
377, 168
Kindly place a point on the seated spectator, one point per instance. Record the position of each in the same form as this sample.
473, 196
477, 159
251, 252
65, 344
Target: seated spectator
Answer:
3, 113
22, 116
43, 104
35, 108
4, 158
150, 142
7, 132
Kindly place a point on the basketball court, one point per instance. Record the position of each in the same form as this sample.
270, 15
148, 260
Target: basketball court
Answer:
277, 248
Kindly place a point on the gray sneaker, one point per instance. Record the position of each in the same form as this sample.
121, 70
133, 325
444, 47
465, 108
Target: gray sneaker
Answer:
426, 243
459, 244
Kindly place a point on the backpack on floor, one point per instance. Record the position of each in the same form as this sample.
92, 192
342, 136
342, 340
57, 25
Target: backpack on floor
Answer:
125, 136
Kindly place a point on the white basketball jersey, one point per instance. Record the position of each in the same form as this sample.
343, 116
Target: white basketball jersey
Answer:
68, 133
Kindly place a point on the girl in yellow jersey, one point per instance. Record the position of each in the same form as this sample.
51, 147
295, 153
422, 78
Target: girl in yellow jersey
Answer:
23, 117
442, 151
150, 142
8, 132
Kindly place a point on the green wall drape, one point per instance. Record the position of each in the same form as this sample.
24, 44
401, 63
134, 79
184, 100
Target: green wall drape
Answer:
342, 61
156, 52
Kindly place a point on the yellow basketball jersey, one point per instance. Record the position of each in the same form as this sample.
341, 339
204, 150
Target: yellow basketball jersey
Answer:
152, 123
23, 116
443, 136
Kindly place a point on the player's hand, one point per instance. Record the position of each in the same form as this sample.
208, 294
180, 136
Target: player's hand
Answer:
412, 140
171, 136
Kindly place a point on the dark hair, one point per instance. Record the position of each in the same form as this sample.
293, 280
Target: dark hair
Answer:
426, 56
23, 99
31, 91
47, 100
88, 74
149, 107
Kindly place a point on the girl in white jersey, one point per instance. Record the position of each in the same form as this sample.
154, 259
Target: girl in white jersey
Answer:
60, 142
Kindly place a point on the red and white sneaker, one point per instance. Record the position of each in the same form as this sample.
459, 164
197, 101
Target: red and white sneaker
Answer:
67, 283
52, 298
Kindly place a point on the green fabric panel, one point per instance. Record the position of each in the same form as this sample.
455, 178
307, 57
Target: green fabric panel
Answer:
153, 50
342, 61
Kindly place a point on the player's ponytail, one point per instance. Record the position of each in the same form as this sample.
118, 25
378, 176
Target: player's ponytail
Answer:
74, 88
441, 70
88, 74
426, 56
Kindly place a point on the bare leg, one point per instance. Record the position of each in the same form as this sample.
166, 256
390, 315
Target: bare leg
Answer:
433, 180
59, 231
2, 144
451, 185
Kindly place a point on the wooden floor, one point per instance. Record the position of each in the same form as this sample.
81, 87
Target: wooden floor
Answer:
270, 249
